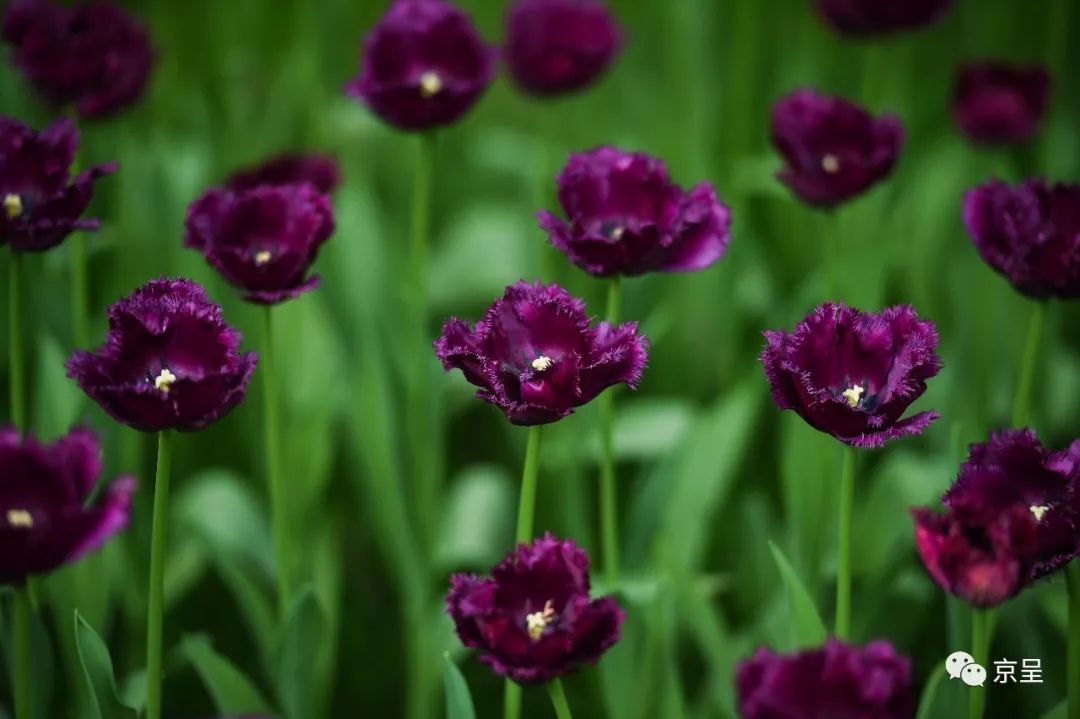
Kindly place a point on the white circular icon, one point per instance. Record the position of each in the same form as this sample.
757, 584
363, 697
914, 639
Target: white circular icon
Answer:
956, 663
973, 675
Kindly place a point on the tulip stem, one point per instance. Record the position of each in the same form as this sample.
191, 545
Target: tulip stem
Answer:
982, 625
1022, 402
278, 499
512, 701
16, 372
21, 640
843, 571
79, 289
155, 612
1072, 671
609, 503
541, 180
558, 699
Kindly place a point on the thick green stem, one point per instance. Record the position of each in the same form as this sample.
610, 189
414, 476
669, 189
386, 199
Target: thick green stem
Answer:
1022, 402
982, 625
16, 372
21, 668
512, 701
79, 289
279, 501
558, 699
843, 560
1072, 667
156, 610
541, 184
609, 502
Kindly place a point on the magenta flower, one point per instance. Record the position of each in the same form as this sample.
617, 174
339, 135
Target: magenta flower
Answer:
42, 203
1030, 234
45, 520
626, 217
832, 148
558, 46
93, 56
290, 168
853, 374
880, 17
1010, 519
999, 103
836, 681
424, 65
533, 619
535, 357
169, 361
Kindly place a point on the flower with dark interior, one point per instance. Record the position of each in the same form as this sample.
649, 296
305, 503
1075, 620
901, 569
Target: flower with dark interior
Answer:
837, 681
1029, 233
558, 46
94, 56
1011, 518
169, 361
833, 149
424, 65
45, 519
533, 619
42, 203
853, 374
880, 17
290, 168
626, 217
263, 239
535, 357
1000, 103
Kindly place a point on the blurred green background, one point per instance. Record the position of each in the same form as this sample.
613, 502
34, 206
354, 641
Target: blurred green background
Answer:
710, 471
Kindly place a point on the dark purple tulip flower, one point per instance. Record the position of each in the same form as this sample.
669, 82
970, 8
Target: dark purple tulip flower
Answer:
833, 149
533, 619
626, 217
169, 361
1010, 519
290, 168
45, 521
42, 203
853, 374
558, 46
535, 357
93, 56
424, 65
835, 681
999, 103
1029, 233
880, 17
264, 239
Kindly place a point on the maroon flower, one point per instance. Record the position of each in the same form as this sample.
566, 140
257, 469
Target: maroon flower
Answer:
833, 149
262, 240
880, 17
853, 374
535, 357
1011, 518
626, 217
836, 681
998, 103
424, 65
93, 56
557, 46
319, 171
1029, 233
45, 520
534, 620
169, 362
41, 201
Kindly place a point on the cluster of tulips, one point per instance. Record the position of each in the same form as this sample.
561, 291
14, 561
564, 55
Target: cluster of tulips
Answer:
171, 363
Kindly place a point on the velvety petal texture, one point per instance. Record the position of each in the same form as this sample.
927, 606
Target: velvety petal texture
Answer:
626, 217
1029, 233
853, 374
835, 681
94, 56
1000, 103
533, 619
535, 357
833, 150
264, 239
558, 46
424, 65
879, 17
45, 521
169, 361
290, 168
40, 203
1011, 518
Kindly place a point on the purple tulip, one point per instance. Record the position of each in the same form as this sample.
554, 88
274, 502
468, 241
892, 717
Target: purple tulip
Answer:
1030, 234
533, 619
999, 103
1010, 519
424, 65
290, 168
835, 681
264, 239
880, 17
169, 361
558, 46
93, 56
535, 357
42, 203
45, 520
626, 217
853, 374
833, 149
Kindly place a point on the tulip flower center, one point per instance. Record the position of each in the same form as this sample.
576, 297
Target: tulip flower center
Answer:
853, 395
542, 362
1039, 511
164, 380
20, 518
262, 257
13, 206
830, 163
537, 622
430, 84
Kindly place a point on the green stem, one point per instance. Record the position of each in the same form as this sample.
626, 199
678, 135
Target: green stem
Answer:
279, 502
558, 699
21, 669
982, 625
609, 502
79, 289
1072, 671
1022, 402
156, 610
512, 701
540, 191
843, 571
16, 371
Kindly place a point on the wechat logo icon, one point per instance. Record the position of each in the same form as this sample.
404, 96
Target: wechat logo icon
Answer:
962, 666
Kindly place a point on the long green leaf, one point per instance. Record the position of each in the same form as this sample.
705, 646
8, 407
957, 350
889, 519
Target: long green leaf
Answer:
231, 691
807, 629
97, 669
459, 703
298, 650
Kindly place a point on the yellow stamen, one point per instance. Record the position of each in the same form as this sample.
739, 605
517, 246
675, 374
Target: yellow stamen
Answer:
542, 362
1039, 511
617, 233
261, 258
830, 163
20, 518
13, 206
536, 622
430, 84
164, 380
853, 395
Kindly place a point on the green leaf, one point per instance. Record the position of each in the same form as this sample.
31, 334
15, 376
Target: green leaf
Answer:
1061, 711
459, 703
477, 518
97, 669
230, 690
298, 650
807, 629
942, 700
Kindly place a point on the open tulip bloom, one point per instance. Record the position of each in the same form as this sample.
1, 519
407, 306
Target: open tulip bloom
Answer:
289, 168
